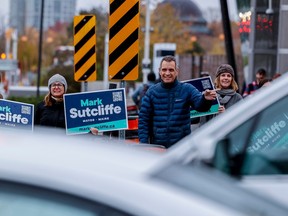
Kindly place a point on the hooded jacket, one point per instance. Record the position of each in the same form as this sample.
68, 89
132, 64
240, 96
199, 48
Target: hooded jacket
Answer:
164, 116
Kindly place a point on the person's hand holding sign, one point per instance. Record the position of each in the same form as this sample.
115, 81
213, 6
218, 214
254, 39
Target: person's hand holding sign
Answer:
95, 131
210, 94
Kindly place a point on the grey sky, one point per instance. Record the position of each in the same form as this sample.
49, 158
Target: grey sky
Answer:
204, 5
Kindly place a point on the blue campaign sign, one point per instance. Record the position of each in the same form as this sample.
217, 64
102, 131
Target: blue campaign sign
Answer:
202, 84
16, 115
104, 110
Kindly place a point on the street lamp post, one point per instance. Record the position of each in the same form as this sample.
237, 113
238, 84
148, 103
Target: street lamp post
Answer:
40, 48
146, 63
228, 37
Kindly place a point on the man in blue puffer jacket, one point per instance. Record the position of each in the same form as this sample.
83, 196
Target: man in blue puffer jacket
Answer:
164, 116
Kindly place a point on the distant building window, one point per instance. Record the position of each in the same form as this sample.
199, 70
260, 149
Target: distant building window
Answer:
57, 6
165, 53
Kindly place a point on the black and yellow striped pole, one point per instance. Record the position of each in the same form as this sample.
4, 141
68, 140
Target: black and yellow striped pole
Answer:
85, 48
123, 40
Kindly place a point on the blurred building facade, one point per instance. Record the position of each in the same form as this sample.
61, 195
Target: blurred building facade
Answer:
192, 64
190, 14
26, 13
264, 29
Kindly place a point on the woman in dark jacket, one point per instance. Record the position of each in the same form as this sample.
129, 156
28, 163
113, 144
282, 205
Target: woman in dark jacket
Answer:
226, 88
50, 111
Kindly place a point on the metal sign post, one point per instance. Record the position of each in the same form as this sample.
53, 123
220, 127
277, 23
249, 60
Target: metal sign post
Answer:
122, 132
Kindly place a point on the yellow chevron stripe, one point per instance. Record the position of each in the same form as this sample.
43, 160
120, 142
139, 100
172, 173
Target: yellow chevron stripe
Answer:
91, 61
90, 24
124, 58
120, 55
91, 42
126, 6
85, 56
123, 33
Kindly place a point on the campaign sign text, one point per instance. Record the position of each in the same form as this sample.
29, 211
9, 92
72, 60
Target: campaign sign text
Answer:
104, 110
16, 115
202, 84
271, 135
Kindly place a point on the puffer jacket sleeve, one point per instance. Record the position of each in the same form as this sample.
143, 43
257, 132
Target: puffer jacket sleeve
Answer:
197, 99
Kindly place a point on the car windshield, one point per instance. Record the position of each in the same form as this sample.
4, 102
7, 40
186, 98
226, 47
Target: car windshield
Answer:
264, 141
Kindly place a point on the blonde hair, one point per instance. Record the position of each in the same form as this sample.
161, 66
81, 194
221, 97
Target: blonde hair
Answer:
48, 99
233, 85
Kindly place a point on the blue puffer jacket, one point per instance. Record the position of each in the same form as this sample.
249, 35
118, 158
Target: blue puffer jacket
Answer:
164, 116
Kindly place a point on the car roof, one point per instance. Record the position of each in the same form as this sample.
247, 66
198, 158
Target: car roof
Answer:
108, 171
61, 151
113, 172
